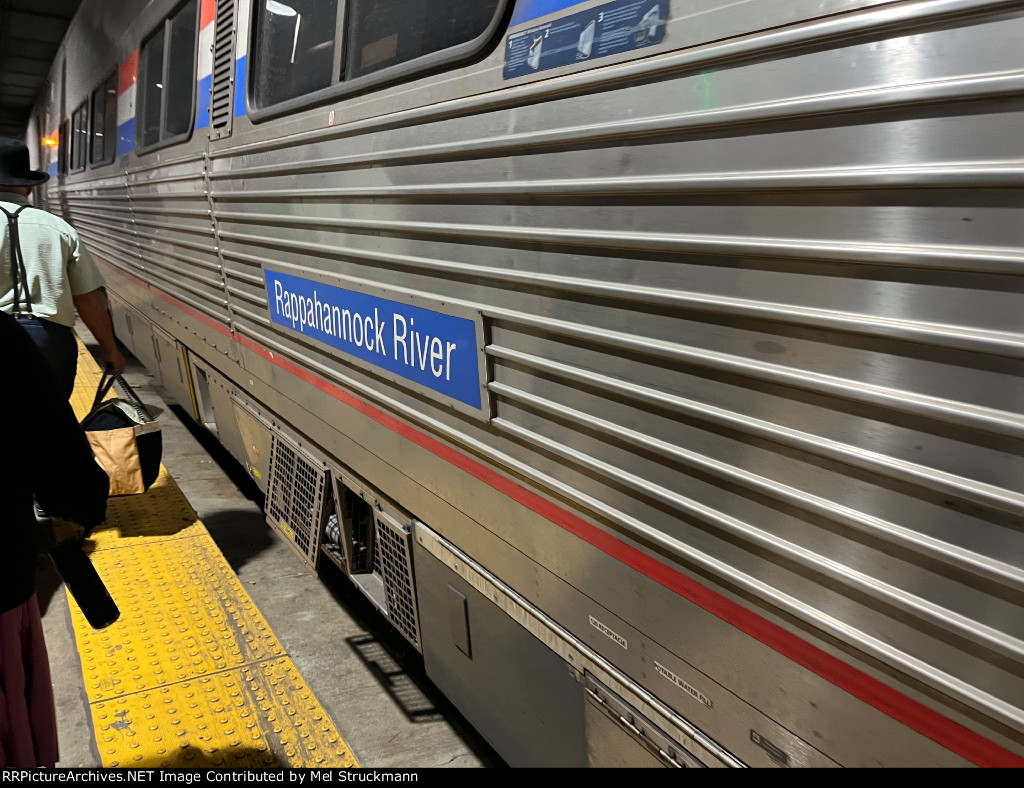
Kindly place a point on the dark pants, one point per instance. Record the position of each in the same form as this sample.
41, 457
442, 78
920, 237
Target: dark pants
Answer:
59, 348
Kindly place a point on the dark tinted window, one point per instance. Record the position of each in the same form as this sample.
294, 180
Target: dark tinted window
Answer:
64, 147
295, 45
384, 33
298, 50
167, 79
151, 90
104, 121
79, 138
180, 82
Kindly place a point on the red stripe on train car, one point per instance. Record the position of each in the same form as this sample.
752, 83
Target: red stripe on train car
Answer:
916, 716
128, 72
207, 12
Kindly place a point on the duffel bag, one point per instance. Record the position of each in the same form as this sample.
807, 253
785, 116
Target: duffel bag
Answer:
124, 437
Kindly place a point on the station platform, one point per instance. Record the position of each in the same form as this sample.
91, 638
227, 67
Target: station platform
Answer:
229, 652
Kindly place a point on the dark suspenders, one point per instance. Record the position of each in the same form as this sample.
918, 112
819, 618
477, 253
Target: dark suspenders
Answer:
19, 277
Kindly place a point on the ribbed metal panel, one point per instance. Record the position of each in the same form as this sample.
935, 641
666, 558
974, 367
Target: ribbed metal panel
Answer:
175, 231
101, 212
751, 328
753, 310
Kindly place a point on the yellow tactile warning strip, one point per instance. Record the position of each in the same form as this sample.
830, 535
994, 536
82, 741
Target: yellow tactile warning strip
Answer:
191, 675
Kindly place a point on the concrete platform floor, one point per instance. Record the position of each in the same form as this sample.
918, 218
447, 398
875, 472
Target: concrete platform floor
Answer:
367, 677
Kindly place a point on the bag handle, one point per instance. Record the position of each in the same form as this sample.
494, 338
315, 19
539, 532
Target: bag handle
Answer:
131, 396
101, 391
106, 382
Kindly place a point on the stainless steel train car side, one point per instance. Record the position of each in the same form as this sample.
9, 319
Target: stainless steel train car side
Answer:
744, 482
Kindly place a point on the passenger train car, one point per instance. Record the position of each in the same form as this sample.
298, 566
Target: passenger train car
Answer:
655, 366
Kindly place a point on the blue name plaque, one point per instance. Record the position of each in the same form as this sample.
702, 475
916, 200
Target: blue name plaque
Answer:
435, 350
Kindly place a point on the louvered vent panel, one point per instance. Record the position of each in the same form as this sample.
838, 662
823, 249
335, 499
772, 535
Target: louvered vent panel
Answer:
392, 560
222, 89
296, 492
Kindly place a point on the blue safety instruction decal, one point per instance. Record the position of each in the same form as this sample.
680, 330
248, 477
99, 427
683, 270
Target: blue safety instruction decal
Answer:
608, 29
436, 350
531, 9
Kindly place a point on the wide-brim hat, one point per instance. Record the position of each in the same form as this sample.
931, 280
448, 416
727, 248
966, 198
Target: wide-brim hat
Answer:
14, 166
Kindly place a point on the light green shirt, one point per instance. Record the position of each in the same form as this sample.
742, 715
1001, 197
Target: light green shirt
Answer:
58, 265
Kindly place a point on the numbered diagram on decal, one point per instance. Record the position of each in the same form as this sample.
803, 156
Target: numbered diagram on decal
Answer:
648, 27
533, 59
586, 43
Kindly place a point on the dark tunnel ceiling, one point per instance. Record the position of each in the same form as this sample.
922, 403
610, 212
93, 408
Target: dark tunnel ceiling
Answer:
30, 34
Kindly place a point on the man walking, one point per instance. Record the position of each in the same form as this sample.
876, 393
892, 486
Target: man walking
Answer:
47, 274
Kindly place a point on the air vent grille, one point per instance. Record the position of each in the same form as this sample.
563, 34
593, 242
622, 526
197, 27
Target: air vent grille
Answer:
295, 496
222, 83
392, 557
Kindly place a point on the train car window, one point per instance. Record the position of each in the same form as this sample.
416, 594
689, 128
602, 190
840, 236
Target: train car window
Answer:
63, 147
180, 82
384, 33
79, 138
151, 90
166, 80
295, 49
312, 50
104, 121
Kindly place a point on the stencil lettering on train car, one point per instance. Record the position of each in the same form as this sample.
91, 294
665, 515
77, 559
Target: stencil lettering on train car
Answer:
696, 694
435, 350
608, 632
597, 32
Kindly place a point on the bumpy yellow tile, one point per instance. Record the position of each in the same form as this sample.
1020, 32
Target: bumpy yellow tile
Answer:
190, 675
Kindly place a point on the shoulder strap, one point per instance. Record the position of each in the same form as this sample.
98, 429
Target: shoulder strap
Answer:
19, 277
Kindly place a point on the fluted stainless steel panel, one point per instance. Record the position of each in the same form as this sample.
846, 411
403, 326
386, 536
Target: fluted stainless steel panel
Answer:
753, 307
175, 227
763, 318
